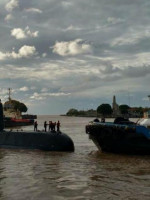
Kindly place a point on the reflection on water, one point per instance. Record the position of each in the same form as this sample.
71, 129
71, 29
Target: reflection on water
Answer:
84, 174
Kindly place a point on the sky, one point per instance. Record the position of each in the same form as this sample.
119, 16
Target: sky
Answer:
62, 54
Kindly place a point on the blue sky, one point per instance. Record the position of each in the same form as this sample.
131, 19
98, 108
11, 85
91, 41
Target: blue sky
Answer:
57, 55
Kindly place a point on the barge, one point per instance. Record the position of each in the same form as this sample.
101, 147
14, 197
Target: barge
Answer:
123, 137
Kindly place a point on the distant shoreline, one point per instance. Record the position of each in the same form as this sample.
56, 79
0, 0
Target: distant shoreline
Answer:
79, 116
110, 117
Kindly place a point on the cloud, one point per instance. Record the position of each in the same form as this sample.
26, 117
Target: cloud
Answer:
113, 20
24, 89
8, 17
34, 10
37, 96
44, 55
3, 91
74, 47
120, 48
11, 5
41, 96
19, 33
3, 56
24, 52
66, 4
132, 37
73, 28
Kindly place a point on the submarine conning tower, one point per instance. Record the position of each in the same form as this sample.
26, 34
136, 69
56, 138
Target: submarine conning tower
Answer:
48, 141
1, 117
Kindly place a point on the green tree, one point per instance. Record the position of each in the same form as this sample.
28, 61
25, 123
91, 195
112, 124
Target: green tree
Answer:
104, 109
22, 107
81, 112
72, 112
140, 110
124, 109
19, 106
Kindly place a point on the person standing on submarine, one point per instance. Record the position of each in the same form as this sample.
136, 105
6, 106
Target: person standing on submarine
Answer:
58, 126
45, 126
35, 126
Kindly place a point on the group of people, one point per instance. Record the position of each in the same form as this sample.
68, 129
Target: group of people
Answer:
102, 120
52, 126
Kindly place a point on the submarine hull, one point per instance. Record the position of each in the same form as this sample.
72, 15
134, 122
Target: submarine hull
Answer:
120, 139
37, 140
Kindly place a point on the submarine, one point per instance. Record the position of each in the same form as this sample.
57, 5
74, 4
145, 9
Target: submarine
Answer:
47, 141
120, 137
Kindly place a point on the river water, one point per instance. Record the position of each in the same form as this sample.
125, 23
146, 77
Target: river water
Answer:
83, 174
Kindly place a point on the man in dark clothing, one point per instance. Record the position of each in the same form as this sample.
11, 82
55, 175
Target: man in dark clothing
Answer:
58, 126
103, 120
49, 126
45, 126
54, 126
35, 126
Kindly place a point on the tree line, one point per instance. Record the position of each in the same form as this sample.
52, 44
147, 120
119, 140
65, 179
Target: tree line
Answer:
106, 110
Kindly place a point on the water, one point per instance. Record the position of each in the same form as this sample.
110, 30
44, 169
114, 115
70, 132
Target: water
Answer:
84, 174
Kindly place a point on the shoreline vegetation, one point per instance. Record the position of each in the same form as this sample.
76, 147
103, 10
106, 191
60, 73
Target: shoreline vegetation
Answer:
106, 111
81, 113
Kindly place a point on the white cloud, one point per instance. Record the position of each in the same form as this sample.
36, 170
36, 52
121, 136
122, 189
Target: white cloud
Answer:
8, 17
66, 4
113, 20
19, 33
44, 55
3, 91
31, 34
24, 52
133, 36
37, 96
74, 47
11, 5
24, 89
73, 28
145, 99
27, 51
41, 96
34, 10
3, 56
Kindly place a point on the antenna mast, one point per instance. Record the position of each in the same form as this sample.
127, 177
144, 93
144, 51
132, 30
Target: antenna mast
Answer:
9, 94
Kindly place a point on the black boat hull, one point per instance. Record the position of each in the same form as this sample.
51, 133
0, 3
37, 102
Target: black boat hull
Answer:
8, 122
118, 139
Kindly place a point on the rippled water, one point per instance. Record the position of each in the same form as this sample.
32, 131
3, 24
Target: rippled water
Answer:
84, 174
